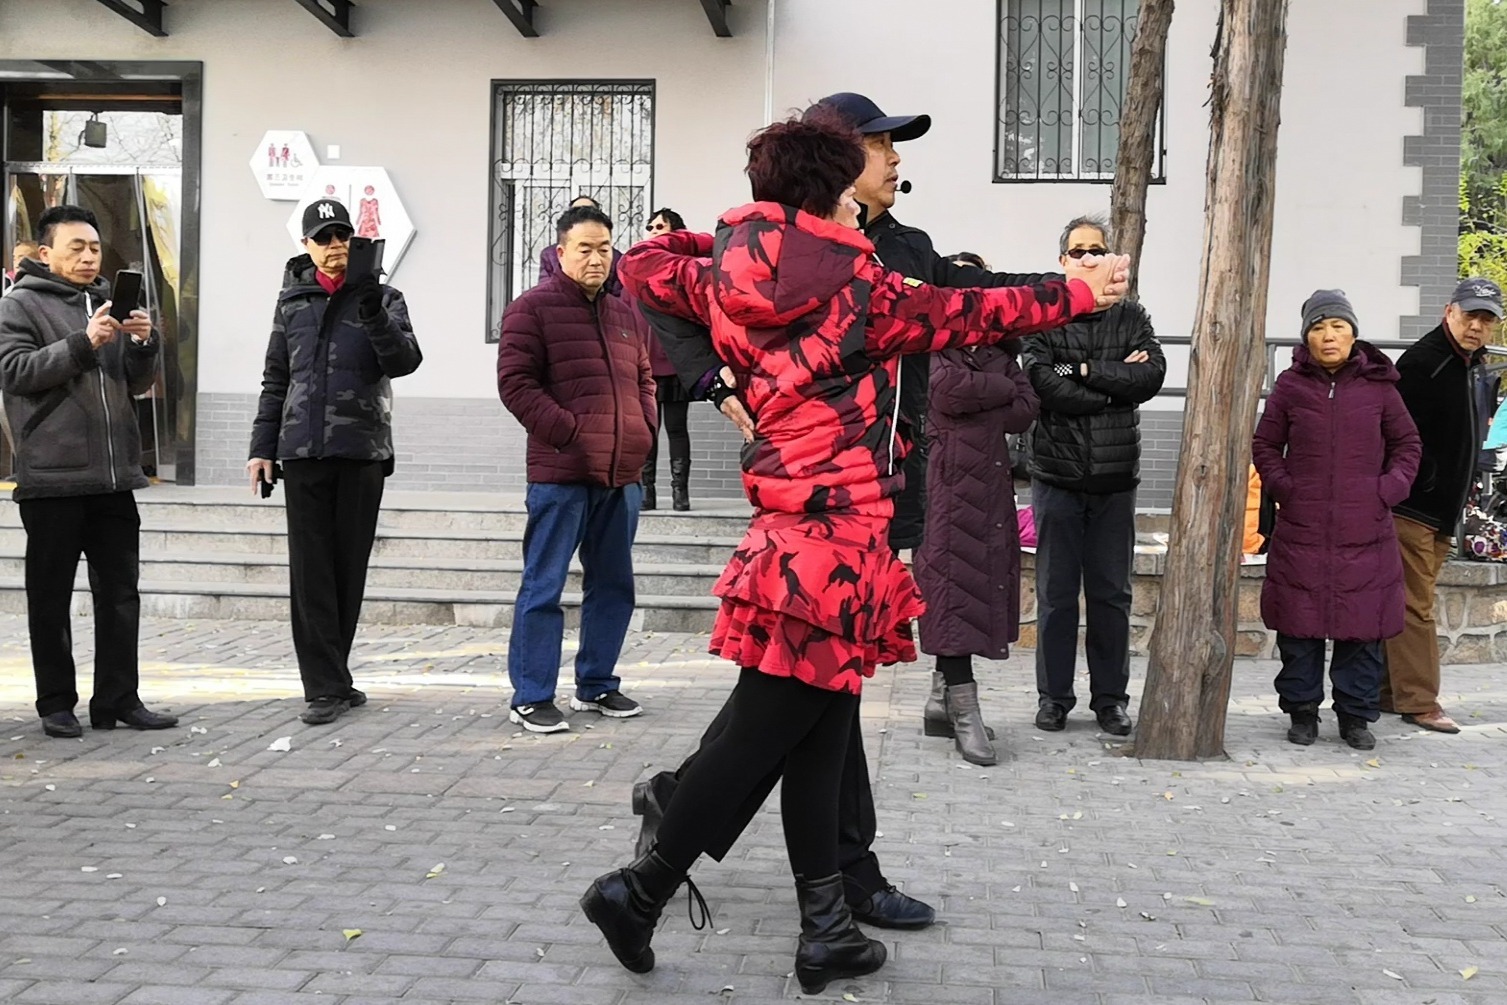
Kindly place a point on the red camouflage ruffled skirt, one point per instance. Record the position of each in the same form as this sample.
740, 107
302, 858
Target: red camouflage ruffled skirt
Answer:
817, 597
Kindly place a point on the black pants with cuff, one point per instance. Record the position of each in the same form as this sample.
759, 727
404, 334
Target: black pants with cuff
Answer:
106, 530
1083, 541
857, 824
332, 508
771, 728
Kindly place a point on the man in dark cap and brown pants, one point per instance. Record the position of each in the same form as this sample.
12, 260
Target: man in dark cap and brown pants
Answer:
1435, 384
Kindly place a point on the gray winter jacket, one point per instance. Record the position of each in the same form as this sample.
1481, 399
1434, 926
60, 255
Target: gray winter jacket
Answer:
69, 405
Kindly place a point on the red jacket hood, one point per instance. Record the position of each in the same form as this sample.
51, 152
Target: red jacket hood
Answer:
772, 264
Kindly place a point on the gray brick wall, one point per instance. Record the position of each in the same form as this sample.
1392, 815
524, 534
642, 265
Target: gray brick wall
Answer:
456, 444
1441, 33
471, 444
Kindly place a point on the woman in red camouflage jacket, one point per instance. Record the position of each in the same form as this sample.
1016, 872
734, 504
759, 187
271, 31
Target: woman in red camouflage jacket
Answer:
813, 599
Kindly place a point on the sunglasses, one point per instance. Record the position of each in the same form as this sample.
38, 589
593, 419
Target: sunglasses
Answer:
324, 237
1078, 253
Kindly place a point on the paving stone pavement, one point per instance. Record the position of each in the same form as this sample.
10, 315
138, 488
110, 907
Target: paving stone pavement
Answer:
198, 867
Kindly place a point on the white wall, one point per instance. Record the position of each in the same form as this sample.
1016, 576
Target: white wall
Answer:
268, 64
1340, 179
412, 94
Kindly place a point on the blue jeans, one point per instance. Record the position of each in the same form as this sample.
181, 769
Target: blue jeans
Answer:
601, 522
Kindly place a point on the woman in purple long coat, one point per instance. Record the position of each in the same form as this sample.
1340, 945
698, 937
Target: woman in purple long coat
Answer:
1337, 450
968, 565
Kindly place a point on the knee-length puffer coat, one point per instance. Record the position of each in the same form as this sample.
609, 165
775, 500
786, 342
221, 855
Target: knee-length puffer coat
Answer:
968, 565
1337, 452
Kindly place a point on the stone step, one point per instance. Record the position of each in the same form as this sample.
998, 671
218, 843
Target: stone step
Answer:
383, 605
487, 545
458, 575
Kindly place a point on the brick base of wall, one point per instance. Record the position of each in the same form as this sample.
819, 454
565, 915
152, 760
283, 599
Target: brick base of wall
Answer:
1470, 608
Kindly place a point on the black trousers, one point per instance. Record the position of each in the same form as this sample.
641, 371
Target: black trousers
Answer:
1355, 670
856, 822
1083, 541
106, 530
772, 727
674, 422
332, 510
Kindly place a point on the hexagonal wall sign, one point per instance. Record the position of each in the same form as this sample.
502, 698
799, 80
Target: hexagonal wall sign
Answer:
369, 195
283, 162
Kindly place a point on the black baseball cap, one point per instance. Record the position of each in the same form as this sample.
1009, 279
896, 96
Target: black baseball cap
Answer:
869, 119
1476, 294
323, 214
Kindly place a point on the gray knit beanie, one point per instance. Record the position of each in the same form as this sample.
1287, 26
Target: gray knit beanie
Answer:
1328, 304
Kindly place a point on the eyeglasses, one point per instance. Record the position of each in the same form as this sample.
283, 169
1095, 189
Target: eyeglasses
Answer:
1077, 253
657, 228
324, 237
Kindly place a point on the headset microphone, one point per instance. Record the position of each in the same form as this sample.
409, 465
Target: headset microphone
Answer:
904, 187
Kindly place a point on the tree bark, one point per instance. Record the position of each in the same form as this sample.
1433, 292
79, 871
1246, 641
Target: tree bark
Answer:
1138, 119
1182, 713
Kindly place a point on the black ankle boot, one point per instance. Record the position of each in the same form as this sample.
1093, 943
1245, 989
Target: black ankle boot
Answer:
831, 947
626, 903
1354, 731
649, 501
1305, 725
650, 797
680, 483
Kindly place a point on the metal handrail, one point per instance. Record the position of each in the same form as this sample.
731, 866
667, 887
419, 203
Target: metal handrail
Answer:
1393, 347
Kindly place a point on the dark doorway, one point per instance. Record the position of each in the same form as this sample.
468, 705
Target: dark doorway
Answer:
123, 140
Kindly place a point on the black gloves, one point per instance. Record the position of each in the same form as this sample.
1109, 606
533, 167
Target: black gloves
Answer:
718, 391
367, 292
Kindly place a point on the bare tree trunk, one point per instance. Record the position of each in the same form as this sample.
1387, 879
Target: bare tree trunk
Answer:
1138, 117
1192, 649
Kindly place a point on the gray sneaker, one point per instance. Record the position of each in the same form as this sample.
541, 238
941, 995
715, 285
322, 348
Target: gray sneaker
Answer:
613, 704
541, 718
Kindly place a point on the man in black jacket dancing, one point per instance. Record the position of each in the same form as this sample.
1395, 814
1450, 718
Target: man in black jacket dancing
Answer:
907, 250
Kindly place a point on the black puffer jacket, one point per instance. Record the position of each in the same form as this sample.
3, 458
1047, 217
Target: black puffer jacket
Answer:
325, 387
1088, 438
909, 251
1435, 384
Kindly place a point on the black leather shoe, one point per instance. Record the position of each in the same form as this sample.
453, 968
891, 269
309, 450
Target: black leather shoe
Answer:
63, 725
136, 718
1052, 718
1114, 721
355, 698
322, 711
889, 908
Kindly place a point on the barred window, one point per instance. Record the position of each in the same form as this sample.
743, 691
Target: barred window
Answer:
553, 141
1063, 68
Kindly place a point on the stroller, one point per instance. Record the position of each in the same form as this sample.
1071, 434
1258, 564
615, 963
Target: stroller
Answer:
1482, 532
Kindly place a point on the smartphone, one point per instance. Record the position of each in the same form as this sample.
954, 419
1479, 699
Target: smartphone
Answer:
267, 485
125, 295
365, 258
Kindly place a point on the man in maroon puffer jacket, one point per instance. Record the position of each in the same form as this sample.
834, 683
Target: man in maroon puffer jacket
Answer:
573, 368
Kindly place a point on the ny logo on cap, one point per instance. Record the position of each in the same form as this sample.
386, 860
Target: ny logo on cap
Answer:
326, 211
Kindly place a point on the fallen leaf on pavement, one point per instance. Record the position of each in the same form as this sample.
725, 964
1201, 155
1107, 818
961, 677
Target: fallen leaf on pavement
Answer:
281, 744
351, 933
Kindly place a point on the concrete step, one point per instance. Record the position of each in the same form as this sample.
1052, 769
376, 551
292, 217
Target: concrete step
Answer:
496, 546
383, 605
452, 574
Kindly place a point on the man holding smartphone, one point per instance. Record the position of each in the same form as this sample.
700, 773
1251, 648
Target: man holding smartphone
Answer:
70, 365
325, 417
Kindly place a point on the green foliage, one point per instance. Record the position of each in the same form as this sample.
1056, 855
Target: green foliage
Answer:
1483, 147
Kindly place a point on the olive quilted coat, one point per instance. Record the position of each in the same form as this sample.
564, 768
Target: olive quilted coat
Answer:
968, 565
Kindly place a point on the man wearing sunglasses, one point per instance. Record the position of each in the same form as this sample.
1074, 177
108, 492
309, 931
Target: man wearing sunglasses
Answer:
1091, 375
325, 417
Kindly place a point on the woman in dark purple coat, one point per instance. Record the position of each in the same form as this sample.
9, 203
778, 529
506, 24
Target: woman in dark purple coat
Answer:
968, 565
1337, 450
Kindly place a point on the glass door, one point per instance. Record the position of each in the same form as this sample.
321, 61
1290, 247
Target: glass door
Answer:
139, 212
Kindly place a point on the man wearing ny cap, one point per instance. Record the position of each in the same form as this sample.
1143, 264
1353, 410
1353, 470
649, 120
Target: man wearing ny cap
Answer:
325, 417
1435, 384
